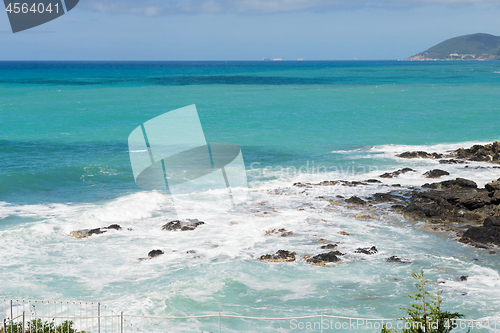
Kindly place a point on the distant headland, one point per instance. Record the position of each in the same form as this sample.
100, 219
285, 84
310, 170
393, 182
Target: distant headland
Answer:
469, 47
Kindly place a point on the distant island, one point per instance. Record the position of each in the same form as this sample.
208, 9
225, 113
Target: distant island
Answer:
468, 47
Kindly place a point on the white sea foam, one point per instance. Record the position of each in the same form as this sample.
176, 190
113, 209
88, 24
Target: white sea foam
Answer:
46, 262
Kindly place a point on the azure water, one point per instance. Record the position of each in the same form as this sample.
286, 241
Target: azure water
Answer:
65, 166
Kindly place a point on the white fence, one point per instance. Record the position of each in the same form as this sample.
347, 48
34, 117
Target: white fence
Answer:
35, 316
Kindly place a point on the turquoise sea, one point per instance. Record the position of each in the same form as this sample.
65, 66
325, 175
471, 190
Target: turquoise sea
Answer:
64, 165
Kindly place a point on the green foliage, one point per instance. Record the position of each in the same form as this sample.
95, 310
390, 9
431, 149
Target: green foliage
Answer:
426, 316
37, 326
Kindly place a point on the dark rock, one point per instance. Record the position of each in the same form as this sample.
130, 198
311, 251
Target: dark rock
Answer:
385, 197
114, 226
471, 201
189, 224
282, 232
397, 259
495, 197
487, 153
373, 181
366, 250
328, 183
457, 183
354, 200
419, 154
492, 221
396, 173
301, 185
280, 256
451, 161
482, 235
329, 246
323, 258
89, 232
154, 253
493, 186
464, 278
436, 173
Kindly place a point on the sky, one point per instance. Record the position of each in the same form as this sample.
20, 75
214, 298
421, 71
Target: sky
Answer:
249, 29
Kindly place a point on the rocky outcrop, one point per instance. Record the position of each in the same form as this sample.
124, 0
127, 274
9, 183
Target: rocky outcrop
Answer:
323, 258
454, 184
452, 201
436, 173
487, 153
186, 225
396, 173
85, 233
280, 256
487, 234
419, 154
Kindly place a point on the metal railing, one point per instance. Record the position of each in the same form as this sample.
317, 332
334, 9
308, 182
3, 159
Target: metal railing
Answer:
36, 316
39, 316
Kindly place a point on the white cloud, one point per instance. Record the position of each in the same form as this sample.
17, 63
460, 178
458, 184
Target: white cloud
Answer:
159, 7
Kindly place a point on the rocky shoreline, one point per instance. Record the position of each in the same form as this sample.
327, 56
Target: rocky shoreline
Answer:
470, 214
457, 206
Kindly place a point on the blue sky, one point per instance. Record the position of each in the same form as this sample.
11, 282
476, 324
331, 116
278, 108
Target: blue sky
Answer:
249, 29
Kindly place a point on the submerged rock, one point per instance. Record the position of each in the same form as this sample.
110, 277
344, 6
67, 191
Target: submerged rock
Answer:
329, 246
280, 256
419, 154
366, 250
282, 232
451, 161
396, 173
155, 253
385, 197
324, 258
436, 173
398, 259
186, 225
354, 200
85, 233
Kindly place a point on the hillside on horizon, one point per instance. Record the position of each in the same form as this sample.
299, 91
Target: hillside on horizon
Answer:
478, 46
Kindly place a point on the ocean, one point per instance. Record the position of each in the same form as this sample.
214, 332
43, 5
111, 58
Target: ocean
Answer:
64, 166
